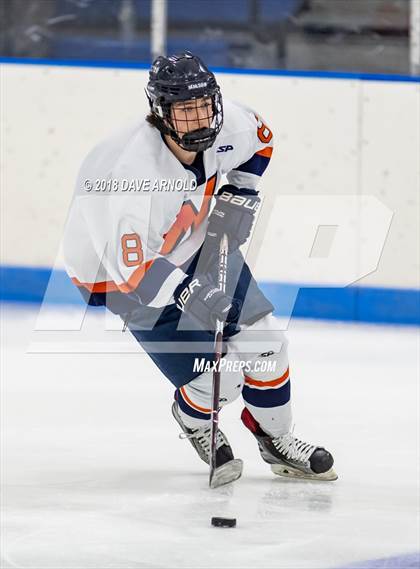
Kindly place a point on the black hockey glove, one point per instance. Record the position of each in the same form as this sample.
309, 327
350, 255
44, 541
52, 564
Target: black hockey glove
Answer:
198, 296
233, 214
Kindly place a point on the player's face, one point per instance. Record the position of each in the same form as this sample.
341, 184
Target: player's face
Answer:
192, 115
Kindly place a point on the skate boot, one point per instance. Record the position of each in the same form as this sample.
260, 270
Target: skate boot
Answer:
288, 456
228, 468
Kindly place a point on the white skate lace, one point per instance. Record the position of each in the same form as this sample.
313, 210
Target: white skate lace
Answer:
293, 448
203, 436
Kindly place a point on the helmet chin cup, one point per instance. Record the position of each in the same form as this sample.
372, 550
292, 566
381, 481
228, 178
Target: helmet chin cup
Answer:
197, 140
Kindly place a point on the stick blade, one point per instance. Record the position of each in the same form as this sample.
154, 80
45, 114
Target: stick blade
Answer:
227, 473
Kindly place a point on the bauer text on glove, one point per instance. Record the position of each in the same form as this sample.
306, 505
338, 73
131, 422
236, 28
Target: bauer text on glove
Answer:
232, 215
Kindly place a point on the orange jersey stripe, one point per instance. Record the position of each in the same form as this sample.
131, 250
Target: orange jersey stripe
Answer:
104, 286
269, 383
267, 152
191, 404
111, 286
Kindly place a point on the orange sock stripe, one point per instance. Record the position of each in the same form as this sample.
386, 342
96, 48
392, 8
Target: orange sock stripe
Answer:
191, 404
269, 383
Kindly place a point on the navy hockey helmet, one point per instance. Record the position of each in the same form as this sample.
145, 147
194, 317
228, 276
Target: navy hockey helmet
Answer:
184, 77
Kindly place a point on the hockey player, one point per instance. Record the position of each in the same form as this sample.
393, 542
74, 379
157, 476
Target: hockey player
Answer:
151, 255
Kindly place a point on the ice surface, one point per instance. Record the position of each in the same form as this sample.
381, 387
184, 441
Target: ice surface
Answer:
95, 477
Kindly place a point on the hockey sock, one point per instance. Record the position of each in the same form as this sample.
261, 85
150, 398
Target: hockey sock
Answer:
193, 415
268, 401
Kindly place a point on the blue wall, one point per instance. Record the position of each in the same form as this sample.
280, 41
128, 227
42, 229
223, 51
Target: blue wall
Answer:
352, 303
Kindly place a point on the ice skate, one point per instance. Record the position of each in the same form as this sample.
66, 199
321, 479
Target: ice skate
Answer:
289, 456
228, 468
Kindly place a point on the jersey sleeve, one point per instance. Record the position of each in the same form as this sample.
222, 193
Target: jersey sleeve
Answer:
124, 231
257, 155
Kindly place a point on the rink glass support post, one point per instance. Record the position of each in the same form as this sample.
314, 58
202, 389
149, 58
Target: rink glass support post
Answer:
158, 30
415, 37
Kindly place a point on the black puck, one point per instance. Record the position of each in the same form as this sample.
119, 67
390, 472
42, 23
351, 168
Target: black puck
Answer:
223, 522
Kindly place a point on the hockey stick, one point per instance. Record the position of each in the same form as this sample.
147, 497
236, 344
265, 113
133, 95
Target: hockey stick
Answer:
218, 349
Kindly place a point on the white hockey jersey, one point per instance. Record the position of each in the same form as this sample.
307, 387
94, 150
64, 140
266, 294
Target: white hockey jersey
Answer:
139, 214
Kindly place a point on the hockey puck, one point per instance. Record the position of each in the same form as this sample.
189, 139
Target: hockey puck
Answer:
223, 522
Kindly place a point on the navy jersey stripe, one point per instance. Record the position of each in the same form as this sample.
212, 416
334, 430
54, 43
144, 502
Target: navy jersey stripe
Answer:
153, 279
255, 165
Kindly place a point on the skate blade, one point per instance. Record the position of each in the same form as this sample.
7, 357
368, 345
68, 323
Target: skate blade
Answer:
290, 472
228, 472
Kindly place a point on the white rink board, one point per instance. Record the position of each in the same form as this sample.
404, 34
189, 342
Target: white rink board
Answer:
333, 138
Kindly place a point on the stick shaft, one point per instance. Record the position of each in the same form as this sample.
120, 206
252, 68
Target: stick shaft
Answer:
218, 351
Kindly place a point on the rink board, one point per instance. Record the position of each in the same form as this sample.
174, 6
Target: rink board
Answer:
353, 303
337, 135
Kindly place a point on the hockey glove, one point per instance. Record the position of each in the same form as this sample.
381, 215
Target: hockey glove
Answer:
198, 296
233, 214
